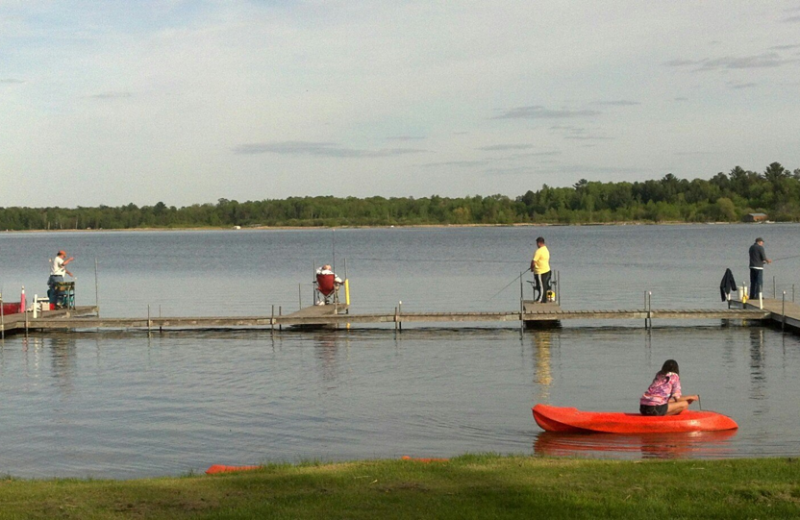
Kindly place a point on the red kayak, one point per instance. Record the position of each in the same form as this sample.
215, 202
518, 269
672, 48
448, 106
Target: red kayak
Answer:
558, 419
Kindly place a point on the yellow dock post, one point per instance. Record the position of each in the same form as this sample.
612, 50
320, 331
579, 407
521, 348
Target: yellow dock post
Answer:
347, 297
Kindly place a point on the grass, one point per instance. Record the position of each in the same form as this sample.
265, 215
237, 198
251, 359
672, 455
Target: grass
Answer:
471, 486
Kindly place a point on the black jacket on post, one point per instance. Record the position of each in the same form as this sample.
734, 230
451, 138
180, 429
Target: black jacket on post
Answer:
727, 285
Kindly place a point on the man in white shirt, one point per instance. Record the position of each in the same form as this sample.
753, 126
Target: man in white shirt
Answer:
57, 269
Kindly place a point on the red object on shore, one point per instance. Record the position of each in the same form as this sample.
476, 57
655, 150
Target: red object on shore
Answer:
424, 460
11, 308
561, 419
221, 468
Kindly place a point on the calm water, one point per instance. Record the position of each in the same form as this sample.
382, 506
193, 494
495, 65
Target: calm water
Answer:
128, 405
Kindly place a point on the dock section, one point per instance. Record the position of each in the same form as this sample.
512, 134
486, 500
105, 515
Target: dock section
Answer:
781, 312
334, 316
22, 321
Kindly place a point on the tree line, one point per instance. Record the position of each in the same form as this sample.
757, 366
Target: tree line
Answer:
722, 198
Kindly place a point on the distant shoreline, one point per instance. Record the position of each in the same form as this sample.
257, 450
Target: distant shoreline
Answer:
299, 228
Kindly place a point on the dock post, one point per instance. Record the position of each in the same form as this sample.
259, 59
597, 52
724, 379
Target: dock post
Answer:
399, 313
272, 321
96, 289
558, 286
783, 312
280, 313
649, 310
645, 309
521, 302
395, 319
148, 318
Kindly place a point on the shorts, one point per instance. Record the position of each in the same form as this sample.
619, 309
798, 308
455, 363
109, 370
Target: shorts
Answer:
646, 409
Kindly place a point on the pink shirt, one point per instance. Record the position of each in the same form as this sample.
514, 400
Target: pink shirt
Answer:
661, 389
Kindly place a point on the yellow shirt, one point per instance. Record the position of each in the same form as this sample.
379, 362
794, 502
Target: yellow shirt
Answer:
541, 261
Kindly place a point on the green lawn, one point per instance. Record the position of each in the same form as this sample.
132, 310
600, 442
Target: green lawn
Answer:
471, 486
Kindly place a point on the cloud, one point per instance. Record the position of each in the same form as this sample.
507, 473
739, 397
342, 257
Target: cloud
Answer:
588, 137
784, 47
518, 170
11, 81
619, 103
756, 61
681, 99
577, 133
518, 156
462, 164
690, 154
405, 138
792, 19
550, 169
505, 147
540, 112
112, 95
680, 63
738, 86
319, 149
539, 154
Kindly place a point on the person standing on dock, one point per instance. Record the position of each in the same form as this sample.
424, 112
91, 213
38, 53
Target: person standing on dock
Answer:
540, 266
58, 267
758, 256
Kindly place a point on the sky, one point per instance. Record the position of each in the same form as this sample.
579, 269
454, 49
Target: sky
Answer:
185, 102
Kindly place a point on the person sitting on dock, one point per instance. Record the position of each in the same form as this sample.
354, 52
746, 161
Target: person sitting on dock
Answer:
758, 256
540, 266
327, 284
663, 396
58, 266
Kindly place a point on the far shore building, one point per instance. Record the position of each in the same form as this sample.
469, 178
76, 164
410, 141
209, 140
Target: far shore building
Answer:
755, 217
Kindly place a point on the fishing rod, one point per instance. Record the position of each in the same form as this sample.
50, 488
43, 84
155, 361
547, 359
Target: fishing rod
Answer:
786, 258
509, 284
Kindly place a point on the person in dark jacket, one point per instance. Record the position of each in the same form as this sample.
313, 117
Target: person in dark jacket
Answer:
758, 257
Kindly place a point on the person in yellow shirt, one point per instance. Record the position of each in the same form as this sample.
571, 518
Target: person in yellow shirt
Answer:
540, 266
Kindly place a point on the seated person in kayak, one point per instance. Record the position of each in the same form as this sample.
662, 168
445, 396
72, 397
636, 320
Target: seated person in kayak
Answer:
663, 397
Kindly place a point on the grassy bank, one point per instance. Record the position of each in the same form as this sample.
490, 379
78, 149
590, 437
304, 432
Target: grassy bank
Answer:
466, 487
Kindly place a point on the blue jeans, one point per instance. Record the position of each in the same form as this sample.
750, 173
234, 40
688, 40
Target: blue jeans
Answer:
756, 282
51, 283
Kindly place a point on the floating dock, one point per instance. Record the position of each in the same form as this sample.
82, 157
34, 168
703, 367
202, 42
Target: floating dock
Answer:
782, 312
530, 314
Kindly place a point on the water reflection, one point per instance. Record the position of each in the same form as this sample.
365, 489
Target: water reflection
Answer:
650, 446
326, 348
758, 376
63, 360
542, 370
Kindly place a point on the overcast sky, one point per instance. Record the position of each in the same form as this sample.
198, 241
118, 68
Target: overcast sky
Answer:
119, 101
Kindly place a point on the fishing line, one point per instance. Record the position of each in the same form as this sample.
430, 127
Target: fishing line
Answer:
509, 284
460, 260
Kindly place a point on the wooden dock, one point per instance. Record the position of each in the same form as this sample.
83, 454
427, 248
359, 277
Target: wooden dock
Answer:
785, 314
21, 321
335, 316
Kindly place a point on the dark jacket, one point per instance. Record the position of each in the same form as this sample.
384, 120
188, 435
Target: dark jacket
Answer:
757, 256
727, 285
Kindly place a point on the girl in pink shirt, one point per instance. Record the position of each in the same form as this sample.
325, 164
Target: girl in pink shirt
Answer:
663, 397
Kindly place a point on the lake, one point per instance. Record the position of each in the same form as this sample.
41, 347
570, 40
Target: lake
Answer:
126, 405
